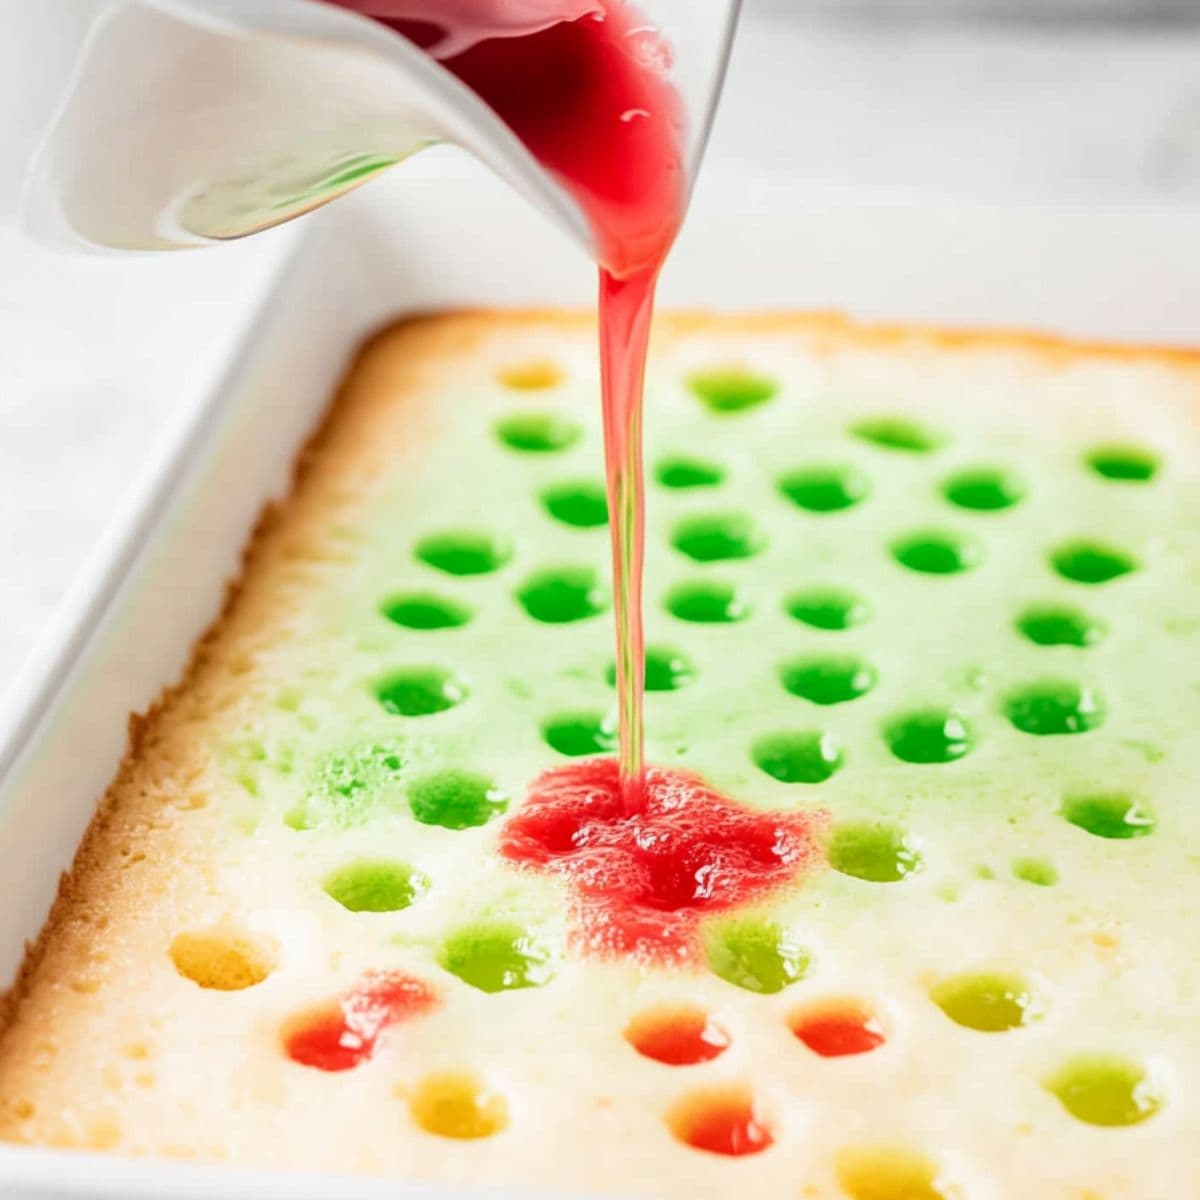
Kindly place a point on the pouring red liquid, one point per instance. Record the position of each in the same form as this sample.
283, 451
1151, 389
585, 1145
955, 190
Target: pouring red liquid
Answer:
590, 97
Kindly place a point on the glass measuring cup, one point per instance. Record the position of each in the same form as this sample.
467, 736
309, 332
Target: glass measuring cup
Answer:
197, 121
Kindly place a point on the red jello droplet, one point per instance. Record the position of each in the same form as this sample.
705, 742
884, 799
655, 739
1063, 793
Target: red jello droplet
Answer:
839, 1029
678, 1036
640, 884
724, 1121
344, 1033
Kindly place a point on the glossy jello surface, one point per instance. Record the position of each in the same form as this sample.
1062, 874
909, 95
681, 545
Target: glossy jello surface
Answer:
906, 912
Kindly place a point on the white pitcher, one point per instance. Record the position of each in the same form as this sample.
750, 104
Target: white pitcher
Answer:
192, 121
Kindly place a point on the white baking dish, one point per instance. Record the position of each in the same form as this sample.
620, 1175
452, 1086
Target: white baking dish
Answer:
442, 233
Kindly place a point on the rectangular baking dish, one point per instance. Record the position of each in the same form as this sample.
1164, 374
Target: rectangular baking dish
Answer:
441, 233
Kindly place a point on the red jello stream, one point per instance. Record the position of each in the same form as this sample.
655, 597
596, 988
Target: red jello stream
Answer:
591, 99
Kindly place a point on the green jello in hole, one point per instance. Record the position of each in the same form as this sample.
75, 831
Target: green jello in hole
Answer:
829, 679
804, 756
562, 595
1123, 464
685, 473
667, 670
455, 800
1038, 871
718, 537
1055, 707
1091, 562
988, 1003
1106, 1090
420, 691
425, 611
464, 552
577, 734
932, 735
707, 603
538, 433
756, 955
825, 489
898, 433
874, 852
1110, 815
376, 886
1060, 625
984, 489
582, 504
937, 552
349, 787
497, 958
728, 390
829, 608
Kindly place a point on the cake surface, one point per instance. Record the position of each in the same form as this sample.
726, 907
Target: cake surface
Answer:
923, 603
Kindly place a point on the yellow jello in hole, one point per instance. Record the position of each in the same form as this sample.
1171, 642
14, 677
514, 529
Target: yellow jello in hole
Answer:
531, 375
224, 958
459, 1105
891, 1173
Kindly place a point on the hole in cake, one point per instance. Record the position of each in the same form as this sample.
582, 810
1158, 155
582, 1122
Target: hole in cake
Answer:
1106, 1090
1091, 562
875, 852
726, 1120
682, 473
462, 552
425, 611
829, 679
937, 552
1060, 625
497, 958
342, 1034
988, 1003
803, 756
563, 595
1109, 815
667, 670
707, 603
1123, 464
376, 886
838, 1028
458, 1105
534, 375
1038, 871
677, 1035
726, 390
582, 504
538, 433
347, 787
828, 608
1054, 707
420, 691
718, 537
455, 800
224, 958
577, 734
898, 433
755, 955
825, 489
933, 735
984, 489
891, 1173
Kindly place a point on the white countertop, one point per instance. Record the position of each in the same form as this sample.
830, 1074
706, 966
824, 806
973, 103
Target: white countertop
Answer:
97, 355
